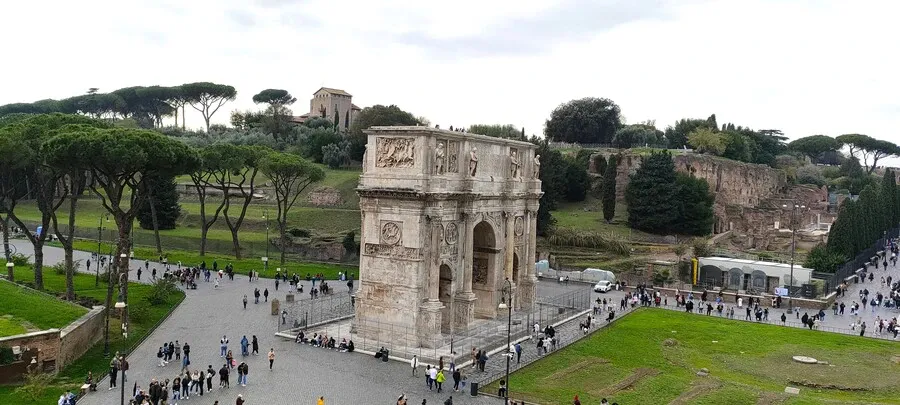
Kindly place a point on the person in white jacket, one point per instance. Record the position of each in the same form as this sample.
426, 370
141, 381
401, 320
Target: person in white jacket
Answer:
414, 363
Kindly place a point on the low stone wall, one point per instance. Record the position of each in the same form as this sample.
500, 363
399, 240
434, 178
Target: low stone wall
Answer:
42, 346
53, 349
79, 336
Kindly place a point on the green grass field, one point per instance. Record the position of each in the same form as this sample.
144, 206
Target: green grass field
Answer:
630, 363
242, 266
144, 317
30, 310
588, 216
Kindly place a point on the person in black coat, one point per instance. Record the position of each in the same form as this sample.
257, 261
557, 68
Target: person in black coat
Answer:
255, 344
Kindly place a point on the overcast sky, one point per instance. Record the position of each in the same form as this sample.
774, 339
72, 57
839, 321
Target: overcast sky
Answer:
805, 67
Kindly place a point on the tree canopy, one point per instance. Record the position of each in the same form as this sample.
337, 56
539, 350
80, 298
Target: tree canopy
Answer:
207, 97
868, 149
814, 146
586, 120
290, 175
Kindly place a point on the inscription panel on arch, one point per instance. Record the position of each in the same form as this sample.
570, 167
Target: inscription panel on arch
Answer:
393, 252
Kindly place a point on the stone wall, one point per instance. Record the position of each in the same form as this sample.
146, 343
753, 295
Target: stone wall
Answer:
43, 346
733, 182
325, 197
79, 336
53, 349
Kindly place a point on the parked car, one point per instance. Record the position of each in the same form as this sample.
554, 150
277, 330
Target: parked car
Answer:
602, 286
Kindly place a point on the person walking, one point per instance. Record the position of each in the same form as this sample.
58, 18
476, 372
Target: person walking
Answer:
239, 400
518, 353
113, 372
414, 363
245, 345
266, 294
255, 346
432, 376
223, 346
187, 355
177, 350
245, 301
271, 358
256, 296
457, 375
209, 376
439, 380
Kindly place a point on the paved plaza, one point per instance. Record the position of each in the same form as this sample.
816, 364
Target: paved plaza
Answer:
302, 373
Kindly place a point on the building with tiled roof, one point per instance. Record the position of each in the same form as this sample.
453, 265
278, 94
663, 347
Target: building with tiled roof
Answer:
334, 104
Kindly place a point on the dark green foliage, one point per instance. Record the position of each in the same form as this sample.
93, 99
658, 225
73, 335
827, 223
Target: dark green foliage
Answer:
599, 164
583, 157
6, 355
162, 192
814, 146
349, 242
578, 183
651, 195
299, 233
545, 221
638, 135
820, 259
888, 199
336, 155
316, 139
737, 146
609, 189
508, 131
376, 115
676, 136
695, 213
161, 290
860, 223
586, 120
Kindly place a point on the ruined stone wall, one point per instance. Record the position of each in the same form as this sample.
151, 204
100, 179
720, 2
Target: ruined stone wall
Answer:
733, 182
79, 336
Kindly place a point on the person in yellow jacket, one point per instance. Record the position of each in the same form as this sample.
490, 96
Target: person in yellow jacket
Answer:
440, 379
321, 401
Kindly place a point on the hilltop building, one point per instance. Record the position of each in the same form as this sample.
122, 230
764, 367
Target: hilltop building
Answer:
326, 102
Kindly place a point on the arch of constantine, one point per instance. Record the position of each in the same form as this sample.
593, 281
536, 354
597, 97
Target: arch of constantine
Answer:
447, 218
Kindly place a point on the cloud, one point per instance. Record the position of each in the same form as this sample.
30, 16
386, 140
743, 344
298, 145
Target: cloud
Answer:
241, 18
571, 20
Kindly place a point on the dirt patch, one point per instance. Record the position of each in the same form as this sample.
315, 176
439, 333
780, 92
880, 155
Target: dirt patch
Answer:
770, 398
577, 368
699, 388
810, 384
636, 376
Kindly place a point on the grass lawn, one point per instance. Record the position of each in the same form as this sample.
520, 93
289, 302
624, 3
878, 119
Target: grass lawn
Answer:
630, 363
144, 317
240, 266
588, 216
33, 310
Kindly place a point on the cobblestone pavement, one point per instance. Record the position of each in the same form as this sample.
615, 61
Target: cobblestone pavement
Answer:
302, 373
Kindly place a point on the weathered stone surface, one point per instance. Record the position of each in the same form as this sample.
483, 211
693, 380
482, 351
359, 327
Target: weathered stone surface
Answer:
446, 218
804, 359
792, 390
81, 335
325, 197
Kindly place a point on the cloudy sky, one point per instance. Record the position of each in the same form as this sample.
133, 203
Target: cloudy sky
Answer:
805, 67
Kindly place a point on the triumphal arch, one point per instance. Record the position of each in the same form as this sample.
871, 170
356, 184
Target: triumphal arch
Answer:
447, 217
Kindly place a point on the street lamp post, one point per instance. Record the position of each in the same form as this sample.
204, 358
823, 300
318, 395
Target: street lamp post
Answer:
794, 208
266, 260
506, 303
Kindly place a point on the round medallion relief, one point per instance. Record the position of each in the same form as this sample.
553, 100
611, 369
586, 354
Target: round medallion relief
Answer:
520, 226
451, 233
390, 233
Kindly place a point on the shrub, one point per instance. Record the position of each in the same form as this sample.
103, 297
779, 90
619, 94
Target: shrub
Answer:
160, 291
6, 355
810, 174
139, 313
19, 259
35, 384
299, 233
701, 247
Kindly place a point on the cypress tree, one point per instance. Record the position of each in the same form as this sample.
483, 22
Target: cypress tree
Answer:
889, 199
608, 198
163, 194
696, 211
651, 194
841, 234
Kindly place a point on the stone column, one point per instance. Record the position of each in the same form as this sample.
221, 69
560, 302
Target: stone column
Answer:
429, 324
464, 307
510, 251
528, 279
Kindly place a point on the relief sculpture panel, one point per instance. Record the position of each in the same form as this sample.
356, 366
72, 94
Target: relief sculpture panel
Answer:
480, 270
391, 233
452, 157
395, 152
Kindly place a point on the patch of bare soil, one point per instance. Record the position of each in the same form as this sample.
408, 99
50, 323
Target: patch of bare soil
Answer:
577, 368
700, 387
636, 376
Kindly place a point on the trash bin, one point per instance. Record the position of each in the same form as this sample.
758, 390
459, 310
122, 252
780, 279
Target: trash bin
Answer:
289, 298
474, 389
384, 357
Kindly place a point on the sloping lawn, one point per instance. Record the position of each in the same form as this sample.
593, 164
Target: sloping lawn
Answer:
653, 356
40, 310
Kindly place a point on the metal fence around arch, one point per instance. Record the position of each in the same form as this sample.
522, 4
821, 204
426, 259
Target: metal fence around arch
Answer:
862, 259
305, 311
